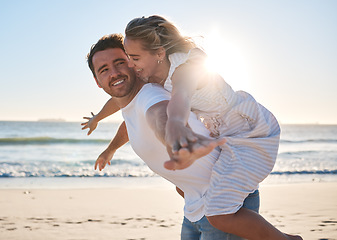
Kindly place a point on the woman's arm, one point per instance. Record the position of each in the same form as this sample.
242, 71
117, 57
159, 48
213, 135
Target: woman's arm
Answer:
185, 81
157, 118
186, 146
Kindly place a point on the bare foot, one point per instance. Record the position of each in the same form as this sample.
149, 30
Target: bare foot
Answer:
294, 237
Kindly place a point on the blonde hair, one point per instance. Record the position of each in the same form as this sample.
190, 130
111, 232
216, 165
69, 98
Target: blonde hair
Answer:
155, 32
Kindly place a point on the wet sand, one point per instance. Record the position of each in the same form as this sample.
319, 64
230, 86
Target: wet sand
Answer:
308, 209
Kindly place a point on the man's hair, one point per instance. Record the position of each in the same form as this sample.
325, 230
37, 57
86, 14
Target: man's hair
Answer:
105, 42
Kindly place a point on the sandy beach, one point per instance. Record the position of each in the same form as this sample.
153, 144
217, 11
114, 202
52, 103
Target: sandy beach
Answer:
309, 209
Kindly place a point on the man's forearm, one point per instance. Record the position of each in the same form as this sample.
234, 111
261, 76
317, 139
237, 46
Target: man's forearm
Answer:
120, 138
108, 109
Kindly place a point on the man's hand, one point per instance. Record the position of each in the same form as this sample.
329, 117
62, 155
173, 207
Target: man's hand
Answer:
103, 159
91, 123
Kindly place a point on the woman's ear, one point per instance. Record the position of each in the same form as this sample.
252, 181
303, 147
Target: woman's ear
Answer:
161, 53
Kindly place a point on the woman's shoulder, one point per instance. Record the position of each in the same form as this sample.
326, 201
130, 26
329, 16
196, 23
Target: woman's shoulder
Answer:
178, 57
194, 55
197, 52
193, 52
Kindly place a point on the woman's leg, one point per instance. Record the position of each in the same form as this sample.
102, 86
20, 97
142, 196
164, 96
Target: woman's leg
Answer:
247, 224
208, 232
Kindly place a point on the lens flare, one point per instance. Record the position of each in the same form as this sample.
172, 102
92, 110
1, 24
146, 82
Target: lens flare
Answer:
228, 60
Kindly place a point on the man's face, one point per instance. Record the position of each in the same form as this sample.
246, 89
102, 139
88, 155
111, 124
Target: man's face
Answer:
112, 72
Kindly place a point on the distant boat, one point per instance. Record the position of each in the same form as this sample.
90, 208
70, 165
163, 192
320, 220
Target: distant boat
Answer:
51, 120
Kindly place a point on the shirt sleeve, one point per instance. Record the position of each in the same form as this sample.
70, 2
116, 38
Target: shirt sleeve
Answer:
152, 94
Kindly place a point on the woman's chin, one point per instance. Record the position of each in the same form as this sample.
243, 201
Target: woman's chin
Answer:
146, 80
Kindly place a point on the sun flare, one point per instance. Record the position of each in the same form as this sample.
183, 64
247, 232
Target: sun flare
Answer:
226, 59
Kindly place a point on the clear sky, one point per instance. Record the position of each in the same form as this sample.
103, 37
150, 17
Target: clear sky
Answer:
282, 52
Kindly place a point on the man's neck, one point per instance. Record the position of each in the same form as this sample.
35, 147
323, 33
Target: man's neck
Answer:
124, 101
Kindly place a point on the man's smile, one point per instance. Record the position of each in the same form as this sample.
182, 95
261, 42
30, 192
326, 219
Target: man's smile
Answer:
120, 81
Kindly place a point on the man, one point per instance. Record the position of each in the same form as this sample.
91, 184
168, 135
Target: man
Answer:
144, 111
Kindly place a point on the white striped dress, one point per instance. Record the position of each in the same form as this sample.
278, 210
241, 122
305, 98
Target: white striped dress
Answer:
252, 134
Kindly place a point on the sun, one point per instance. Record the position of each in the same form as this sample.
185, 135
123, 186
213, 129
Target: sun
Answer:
228, 60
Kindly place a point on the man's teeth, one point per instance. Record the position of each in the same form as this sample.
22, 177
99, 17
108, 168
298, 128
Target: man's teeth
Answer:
119, 82
138, 70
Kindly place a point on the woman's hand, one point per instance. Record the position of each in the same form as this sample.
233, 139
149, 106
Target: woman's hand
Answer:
91, 123
185, 157
184, 146
178, 136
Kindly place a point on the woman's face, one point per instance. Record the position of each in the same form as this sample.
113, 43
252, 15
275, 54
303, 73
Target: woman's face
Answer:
144, 63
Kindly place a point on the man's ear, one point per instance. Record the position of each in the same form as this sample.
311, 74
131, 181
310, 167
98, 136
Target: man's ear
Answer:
97, 82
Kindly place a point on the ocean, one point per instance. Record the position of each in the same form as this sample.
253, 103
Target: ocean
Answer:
61, 155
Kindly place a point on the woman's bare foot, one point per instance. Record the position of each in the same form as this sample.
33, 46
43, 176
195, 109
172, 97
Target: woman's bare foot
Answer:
294, 237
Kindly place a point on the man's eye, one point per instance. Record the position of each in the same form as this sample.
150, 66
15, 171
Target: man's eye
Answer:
135, 59
119, 63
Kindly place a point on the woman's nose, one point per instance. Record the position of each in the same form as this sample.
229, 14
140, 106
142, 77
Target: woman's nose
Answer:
131, 64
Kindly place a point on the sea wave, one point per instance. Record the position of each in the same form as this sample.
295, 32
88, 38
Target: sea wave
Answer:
325, 171
309, 141
292, 153
49, 140
118, 168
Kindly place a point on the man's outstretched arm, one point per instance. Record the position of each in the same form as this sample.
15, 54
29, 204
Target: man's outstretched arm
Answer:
119, 140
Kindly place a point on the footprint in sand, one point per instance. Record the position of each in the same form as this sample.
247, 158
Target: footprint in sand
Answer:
11, 229
331, 222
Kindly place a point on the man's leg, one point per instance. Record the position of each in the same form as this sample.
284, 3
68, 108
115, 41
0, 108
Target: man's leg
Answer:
189, 230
